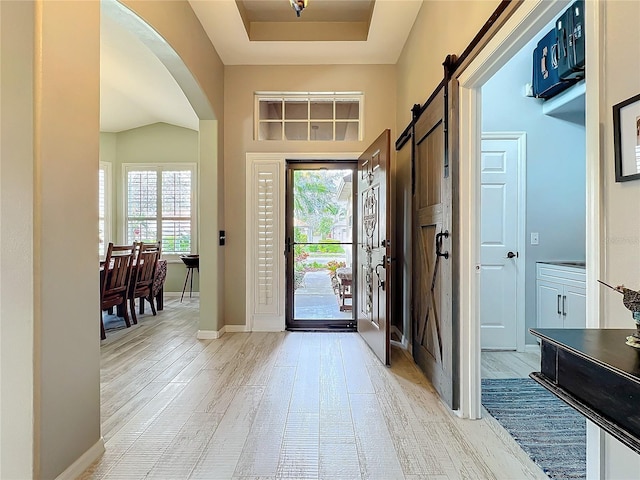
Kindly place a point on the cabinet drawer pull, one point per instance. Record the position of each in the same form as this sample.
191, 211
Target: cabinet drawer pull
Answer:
564, 304
559, 312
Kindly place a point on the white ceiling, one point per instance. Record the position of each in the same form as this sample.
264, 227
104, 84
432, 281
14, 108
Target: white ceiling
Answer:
136, 89
390, 25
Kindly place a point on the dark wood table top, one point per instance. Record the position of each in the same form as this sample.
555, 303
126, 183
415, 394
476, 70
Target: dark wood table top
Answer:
605, 347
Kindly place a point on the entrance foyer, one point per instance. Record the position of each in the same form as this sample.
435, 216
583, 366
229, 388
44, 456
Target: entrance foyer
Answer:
280, 405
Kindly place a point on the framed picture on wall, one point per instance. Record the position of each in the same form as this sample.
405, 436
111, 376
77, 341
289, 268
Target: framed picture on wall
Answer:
626, 139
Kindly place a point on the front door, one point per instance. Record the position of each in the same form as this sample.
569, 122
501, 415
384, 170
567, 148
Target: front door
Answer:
319, 252
434, 332
373, 294
499, 255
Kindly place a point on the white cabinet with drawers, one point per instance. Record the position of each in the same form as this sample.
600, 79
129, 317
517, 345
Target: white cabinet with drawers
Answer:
561, 295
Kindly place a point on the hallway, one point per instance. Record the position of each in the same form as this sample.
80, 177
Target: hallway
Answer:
280, 405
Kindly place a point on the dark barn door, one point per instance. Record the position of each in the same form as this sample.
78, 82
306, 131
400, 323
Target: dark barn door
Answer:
434, 329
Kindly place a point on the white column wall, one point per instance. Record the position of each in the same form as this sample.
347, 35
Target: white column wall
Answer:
67, 341
16, 240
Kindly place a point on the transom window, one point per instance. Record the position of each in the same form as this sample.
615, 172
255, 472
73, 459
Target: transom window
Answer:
160, 205
308, 116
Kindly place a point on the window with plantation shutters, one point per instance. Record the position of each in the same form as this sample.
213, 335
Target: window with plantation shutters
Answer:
142, 206
159, 202
265, 279
176, 211
104, 207
266, 237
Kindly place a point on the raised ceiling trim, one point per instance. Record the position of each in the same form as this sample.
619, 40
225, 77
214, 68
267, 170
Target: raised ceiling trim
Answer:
309, 31
390, 24
328, 20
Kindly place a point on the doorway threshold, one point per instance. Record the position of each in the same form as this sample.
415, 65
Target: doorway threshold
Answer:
324, 327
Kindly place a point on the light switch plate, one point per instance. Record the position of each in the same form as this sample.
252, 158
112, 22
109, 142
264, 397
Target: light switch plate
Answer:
535, 239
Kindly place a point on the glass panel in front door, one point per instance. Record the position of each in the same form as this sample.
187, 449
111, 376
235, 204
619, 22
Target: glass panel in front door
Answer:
322, 244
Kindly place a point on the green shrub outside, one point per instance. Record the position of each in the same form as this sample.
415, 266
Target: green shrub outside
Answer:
326, 247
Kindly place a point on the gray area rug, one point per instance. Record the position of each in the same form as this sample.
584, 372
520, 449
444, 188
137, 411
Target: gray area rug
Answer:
113, 322
552, 433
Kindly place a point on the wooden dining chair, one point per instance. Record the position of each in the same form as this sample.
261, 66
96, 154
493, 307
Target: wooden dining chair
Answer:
114, 285
149, 246
159, 275
142, 279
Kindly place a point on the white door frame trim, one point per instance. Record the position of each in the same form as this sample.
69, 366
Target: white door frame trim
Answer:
521, 139
526, 21
273, 323
596, 114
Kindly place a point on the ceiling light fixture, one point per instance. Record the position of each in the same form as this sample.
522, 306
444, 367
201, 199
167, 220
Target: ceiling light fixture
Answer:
299, 5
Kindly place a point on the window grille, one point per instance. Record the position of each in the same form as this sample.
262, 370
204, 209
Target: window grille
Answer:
308, 116
160, 204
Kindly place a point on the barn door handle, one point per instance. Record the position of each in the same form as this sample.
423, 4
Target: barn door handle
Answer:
439, 236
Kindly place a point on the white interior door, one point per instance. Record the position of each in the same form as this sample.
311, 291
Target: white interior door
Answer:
500, 259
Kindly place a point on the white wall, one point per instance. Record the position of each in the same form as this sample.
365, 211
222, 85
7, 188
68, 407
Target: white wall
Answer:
377, 82
50, 344
622, 200
16, 240
419, 71
621, 206
67, 342
556, 167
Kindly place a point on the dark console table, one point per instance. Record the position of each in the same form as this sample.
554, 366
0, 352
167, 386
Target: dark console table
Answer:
595, 372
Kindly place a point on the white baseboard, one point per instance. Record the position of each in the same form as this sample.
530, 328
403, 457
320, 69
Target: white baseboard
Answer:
210, 334
215, 334
81, 464
236, 328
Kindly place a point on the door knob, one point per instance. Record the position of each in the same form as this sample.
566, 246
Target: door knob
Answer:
512, 255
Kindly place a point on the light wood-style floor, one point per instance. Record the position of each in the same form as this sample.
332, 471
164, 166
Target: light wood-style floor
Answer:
280, 405
509, 364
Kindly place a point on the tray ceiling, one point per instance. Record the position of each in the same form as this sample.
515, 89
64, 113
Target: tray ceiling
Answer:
136, 89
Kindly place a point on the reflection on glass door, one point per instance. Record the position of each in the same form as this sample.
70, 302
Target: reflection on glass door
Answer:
320, 245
